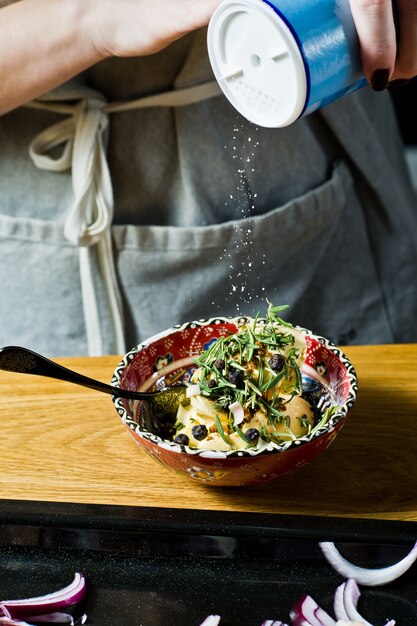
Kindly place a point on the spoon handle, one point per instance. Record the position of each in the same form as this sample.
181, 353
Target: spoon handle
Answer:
24, 361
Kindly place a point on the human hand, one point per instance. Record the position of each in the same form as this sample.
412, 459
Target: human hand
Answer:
140, 27
388, 45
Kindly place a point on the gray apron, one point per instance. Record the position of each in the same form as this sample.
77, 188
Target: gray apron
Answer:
135, 198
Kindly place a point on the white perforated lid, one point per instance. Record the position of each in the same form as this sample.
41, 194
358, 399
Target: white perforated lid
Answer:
257, 62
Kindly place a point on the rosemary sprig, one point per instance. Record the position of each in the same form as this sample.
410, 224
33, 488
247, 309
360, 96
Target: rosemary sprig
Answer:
243, 436
273, 381
327, 414
221, 432
236, 367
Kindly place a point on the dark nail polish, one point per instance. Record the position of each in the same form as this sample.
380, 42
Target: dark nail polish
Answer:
379, 79
397, 84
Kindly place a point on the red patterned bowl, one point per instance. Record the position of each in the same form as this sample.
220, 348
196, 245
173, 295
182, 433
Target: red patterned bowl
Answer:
168, 357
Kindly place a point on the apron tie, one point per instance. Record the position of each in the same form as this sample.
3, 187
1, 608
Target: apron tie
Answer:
82, 136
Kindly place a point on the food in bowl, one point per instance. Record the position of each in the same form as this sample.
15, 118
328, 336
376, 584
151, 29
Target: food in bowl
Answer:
329, 384
247, 390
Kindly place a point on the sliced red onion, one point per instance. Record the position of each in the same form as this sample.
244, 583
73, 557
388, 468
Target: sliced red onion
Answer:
192, 390
343, 622
53, 618
305, 613
211, 620
351, 595
339, 604
371, 577
49, 603
5, 621
65, 619
238, 413
324, 617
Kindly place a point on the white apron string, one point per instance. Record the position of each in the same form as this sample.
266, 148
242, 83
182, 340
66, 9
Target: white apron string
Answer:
88, 223
90, 216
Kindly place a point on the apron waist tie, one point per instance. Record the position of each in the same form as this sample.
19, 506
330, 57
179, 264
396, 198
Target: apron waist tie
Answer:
82, 136
90, 216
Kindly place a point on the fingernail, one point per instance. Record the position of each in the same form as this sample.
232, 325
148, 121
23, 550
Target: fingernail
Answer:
397, 84
379, 79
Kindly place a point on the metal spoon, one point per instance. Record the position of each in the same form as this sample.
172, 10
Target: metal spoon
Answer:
161, 404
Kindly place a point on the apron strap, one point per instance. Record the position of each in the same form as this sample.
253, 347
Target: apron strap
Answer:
88, 223
176, 98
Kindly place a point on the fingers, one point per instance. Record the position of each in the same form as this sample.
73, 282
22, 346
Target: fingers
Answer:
406, 63
374, 22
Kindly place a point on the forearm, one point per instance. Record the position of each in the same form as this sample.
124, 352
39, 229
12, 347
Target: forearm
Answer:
43, 43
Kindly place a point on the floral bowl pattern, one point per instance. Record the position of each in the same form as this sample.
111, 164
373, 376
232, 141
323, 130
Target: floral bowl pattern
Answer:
168, 358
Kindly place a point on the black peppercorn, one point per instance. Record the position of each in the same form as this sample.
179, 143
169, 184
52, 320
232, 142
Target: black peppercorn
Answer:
236, 377
252, 434
182, 439
199, 432
277, 362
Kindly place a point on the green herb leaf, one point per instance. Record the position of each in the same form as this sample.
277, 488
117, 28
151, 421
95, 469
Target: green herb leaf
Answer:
243, 436
221, 432
252, 346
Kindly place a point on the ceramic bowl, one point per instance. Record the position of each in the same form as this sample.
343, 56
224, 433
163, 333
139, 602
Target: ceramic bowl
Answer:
168, 358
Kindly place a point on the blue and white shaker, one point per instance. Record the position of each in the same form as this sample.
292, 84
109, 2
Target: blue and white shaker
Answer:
278, 60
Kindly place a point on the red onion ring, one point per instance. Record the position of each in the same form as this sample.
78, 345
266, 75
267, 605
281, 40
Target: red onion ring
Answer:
339, 604
63, 619
351, 595
306, 612
5, 621
71, 595
372, 577
348, 608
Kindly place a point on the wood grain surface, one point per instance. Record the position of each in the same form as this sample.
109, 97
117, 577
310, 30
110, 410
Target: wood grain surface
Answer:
64, 443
